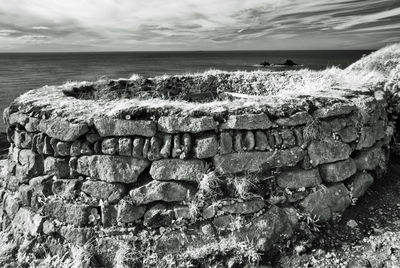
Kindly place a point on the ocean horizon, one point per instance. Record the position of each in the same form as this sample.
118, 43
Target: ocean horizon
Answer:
20, 72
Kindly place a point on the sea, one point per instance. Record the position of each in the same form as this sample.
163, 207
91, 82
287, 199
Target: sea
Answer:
20, 72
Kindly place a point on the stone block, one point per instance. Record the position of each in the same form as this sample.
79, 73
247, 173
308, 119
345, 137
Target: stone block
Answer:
75, 149
348, 134
226, 143
87, 148
111, 192
367, 138
47, 148
128, 212
57, 166
158, 215
77, 236
300, 118
109, 146
261, 141
247, 121
370, 158
243, 207
336, 109
249, 141
328, 150
205, 147
23, 139
111, 168
359, 184
238, 141
178, 170
176, 146
11, 205
298, 178
66, 189
17, 118
173, 124
288, 138
137, 147
63, 148
257, 161
165, 151
75, 214
166, 191
25, 193
326, 201
32, 125
186, 145
155, 148
109, 214
125, 146
30, 164
107, 127
338, 171
28, 222
61, 129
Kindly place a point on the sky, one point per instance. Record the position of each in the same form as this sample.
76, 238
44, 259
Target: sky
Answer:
138, 25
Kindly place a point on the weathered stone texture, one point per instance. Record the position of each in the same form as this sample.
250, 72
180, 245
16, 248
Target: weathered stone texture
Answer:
118, 127
370, 158
28, 222
328, 151
300, 118
109, 146
111, 168
245, 207
161, 191
74, 214
111, 192
30, 164
171, 124
257, 161
261, 141
348, 134
326, 201
367, 137
128, 212
66, 189
334, 110
205, 147
226, 143
359, 184
298, 178
158, 215
247, 121
57, 166
178, 170
63, 130
339, 171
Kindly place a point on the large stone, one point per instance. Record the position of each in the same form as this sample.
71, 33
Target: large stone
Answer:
322, 203
111, 192
23, 139
367, 138
120, 127
247, 121
244, 207
261, 141
28, 222
158, 215
161, 191
205, 147
15, 118
75, 214
178, 170
298, 178
66, 189
63, 130
109, 146
173, 124
348, 134
300, 118
336, 109
339, 171
30, 164
128, 212
257, 161
359, 184
226, 143
111, 168
328, 150
57, 166
370, 158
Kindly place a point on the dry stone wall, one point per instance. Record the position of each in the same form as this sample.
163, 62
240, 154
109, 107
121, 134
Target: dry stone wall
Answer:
112, 176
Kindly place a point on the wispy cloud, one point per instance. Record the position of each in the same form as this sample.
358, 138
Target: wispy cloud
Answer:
193, 24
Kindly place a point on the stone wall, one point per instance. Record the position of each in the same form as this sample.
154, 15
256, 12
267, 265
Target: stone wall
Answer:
115, 176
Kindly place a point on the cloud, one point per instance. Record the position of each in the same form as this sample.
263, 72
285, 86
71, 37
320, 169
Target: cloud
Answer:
193, 24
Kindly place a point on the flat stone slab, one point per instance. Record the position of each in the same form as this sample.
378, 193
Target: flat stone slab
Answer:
111, 168
61, 129
120, 127
178, 170
328, 151
247, 121
257, 161
172, 124
339, 171
298, 178
334, 110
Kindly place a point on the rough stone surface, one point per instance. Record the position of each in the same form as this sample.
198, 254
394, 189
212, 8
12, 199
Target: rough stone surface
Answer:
334, 110
11, 205
367, 138
66, 189
322, 203
78, 236
118, 127
300, 118
111, 168
128, 212
359, 184
61, 129
137, 147
182, 212
178, 170
111, 192
226, 143
205, 147
298, 178
288, 138
75, 149
109, 214
257, 161
339, 171
57, 166
369, 159
109, 146
328, 151
261, 141
125, 146
165, 151
74, 214
155, 148
22, 139
30, 164
348, 134
158, 215
63, 148
249, 141
161, 191
171, 124
28, 222
247, 121
245, 207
